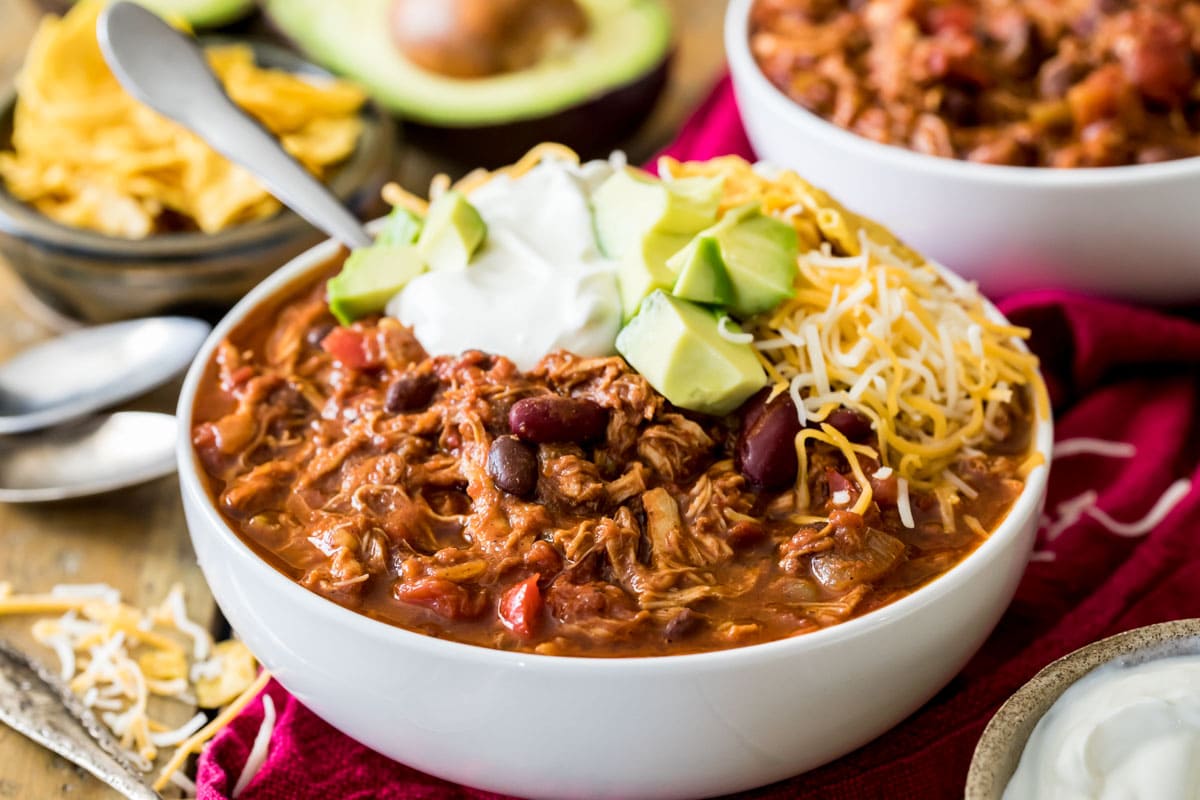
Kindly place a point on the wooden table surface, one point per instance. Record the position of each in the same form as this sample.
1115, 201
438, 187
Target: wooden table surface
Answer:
136, 539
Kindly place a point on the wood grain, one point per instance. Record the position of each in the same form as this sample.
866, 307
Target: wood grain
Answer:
136, 539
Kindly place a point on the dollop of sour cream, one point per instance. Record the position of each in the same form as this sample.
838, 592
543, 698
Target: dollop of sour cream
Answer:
538, 283
1118, 733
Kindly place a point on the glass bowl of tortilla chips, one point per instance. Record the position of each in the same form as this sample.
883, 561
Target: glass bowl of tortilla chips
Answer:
109, 211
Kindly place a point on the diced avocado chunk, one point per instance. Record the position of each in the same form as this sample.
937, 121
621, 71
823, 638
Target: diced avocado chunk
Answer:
452, 233
678, 347
644, 268
630, 204
400, 227
759, 254
370, 278
701, 272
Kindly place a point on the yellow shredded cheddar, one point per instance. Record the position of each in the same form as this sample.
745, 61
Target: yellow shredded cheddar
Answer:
876, 328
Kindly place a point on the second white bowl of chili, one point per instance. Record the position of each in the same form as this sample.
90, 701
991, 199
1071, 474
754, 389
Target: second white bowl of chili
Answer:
1123, 231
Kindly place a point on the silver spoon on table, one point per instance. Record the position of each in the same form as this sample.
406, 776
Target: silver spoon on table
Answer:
50, 449
168, 72
93, 368
36, 704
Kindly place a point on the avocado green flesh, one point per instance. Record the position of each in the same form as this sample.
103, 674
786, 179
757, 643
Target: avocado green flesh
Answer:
400, 227
201, 13
702, 276
628, 205
758, 254
370, 278
678, 347
625, 40
452, 232
644, 268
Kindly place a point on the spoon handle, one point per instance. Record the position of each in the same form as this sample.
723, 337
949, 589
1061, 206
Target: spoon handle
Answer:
39, 706
238, 137
169, 72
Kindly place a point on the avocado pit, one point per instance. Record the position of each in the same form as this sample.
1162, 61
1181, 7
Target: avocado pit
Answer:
481, 38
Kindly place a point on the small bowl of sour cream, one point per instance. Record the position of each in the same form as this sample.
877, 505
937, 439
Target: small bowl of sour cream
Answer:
1119, 718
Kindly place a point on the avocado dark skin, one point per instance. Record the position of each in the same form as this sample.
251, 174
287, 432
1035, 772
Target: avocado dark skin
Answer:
591, 128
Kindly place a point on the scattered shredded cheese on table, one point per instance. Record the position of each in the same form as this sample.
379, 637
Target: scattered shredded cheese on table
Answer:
118, 658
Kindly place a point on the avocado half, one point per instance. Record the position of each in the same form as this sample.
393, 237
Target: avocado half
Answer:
198, 13
589, 97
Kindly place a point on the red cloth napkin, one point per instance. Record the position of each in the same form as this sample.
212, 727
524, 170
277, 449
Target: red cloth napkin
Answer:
1116, 372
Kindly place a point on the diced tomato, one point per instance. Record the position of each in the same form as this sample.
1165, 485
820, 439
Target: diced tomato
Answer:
441, 596
839, 482
521, 607
351, 348
958, 17
205, 441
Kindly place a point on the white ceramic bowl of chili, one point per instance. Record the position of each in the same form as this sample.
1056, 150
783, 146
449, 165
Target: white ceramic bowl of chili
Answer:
557, 727
1120, 231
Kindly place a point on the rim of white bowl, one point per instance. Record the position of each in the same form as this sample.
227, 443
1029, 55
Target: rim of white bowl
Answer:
1027, 506
747, 75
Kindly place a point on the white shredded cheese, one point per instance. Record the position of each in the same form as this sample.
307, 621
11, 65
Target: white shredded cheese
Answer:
260, 749
1073, 510
967, 489
183, 782
202, 641
206, 670
1084, 445
882, 474
730, 335
174, 737
87, 591
902, 504
1162, 507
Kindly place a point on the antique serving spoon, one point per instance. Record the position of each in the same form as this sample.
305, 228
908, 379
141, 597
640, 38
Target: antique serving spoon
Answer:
93, 368
89, 457
37, 705
168, 72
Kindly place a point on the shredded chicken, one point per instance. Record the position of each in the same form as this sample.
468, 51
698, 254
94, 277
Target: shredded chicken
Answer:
368, 471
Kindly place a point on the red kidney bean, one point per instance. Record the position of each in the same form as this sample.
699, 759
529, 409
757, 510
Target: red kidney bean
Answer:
960, 106
746, 533
553, 418
513, 466
854, 425
412, 391
682, 625
885, 490
752, 410
766, 443
317, 333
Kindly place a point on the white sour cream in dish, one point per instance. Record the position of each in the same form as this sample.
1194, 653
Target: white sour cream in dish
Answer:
1118, 733
539, 283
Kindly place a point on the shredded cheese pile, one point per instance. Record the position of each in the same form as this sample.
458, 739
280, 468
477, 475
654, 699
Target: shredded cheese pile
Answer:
117, 658
876, 328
